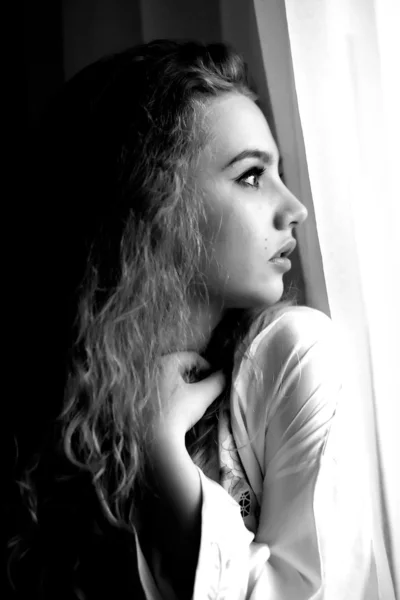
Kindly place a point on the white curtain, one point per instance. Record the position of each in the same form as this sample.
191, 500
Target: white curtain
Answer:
332, 68
346, 79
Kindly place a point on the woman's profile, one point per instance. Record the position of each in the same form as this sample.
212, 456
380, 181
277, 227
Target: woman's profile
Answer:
189, 456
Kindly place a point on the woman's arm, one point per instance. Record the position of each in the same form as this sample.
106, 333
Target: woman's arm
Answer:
313, 539
314, 514
174, 523
175, 517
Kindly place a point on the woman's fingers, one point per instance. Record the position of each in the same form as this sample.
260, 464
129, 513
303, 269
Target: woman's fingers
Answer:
182, 362
208, 389
184, 404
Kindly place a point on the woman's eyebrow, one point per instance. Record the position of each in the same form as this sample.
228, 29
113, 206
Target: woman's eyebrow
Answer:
269, 158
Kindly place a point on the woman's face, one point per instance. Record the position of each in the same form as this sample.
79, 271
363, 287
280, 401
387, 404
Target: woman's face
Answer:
250, 212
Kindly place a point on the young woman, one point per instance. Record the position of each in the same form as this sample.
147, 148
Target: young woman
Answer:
190, 458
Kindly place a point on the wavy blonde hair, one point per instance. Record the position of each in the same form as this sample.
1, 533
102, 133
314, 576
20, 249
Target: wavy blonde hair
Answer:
125, 134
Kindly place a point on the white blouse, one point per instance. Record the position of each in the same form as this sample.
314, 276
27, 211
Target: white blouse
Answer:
287, 520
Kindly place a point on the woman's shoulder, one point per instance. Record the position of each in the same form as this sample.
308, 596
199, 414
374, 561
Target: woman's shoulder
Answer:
292, 325
292, 357
283, 341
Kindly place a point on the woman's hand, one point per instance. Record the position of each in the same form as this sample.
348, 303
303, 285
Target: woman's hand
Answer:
184, 404
174, 523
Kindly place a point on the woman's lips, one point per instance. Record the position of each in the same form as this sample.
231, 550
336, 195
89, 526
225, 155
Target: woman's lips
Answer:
281, 262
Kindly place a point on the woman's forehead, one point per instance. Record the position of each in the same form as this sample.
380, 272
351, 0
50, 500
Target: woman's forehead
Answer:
234, 124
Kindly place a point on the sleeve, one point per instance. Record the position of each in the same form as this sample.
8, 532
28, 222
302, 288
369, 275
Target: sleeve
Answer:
313, 538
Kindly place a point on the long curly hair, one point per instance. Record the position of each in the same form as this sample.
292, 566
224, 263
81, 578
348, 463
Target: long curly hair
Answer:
120, 143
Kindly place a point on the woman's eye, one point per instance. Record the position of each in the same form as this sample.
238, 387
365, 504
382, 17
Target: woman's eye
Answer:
252, 177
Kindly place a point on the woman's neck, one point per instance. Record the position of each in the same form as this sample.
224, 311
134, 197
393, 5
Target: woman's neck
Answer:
204, 320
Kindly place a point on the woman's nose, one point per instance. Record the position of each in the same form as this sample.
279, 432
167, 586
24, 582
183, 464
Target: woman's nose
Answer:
291, 212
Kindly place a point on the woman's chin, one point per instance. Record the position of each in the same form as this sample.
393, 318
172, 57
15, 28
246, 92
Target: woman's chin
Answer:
267, 295
271, 292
